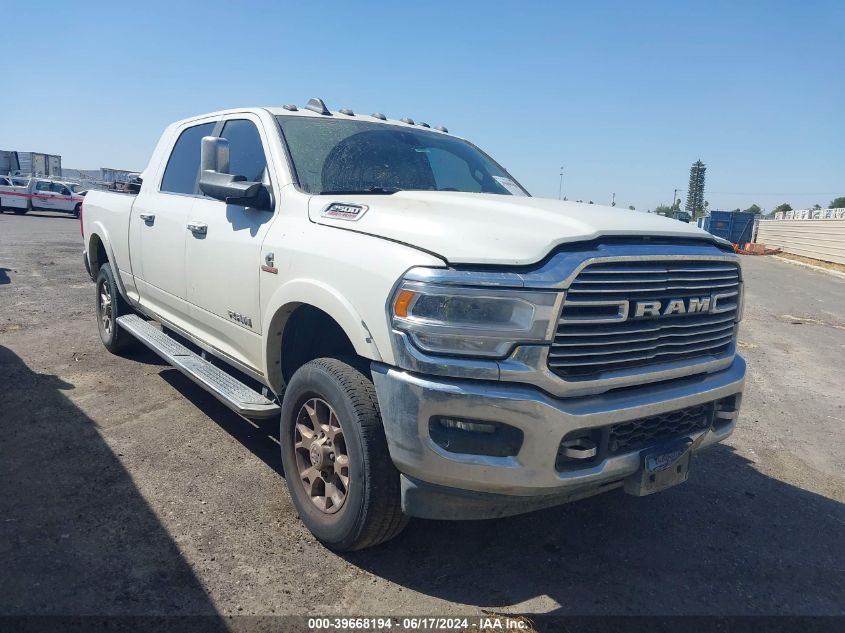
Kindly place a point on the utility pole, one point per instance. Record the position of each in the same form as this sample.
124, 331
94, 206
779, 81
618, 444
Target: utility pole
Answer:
560, 187
613, 200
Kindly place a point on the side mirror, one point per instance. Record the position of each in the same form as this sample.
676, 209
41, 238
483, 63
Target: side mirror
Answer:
217, 182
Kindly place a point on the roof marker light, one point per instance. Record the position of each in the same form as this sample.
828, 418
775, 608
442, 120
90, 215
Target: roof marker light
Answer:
442, 129
407, 120
290, 107
423, 124
379, 115
316, 105
347, 112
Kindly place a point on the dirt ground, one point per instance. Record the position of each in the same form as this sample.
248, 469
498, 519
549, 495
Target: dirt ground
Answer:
124, 489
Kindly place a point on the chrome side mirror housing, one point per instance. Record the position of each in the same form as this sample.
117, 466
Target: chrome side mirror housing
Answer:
216, 181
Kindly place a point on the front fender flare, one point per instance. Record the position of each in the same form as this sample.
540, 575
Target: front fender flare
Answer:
296, 292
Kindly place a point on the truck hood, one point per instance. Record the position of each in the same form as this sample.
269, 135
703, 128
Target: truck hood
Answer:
473, 228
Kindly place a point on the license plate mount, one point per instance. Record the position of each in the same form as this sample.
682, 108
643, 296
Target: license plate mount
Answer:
661, 467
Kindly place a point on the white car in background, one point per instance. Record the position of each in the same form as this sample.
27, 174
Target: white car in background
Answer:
14, 194
41, 194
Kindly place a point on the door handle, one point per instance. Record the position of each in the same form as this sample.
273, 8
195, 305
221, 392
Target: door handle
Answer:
197, 228
149, 218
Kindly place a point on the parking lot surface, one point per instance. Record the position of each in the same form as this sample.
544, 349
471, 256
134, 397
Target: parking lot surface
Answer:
125, 489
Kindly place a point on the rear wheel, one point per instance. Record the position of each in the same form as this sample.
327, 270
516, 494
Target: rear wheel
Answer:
110, 306
337, 466
76, 211
20, 211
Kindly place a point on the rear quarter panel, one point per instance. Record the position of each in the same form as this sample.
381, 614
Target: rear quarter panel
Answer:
15, 196
106, 216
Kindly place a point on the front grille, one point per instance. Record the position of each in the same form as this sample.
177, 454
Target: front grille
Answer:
637, 434
599, 332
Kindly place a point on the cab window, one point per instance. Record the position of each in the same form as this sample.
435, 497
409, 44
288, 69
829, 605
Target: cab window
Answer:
246, 154
183, 166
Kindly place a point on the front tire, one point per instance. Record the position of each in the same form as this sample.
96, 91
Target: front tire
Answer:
337, 466
111, 305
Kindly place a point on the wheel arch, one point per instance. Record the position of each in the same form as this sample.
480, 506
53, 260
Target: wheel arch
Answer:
291, 304
99, 251
97, 254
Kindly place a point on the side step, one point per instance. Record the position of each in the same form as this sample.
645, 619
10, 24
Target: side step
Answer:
233, 393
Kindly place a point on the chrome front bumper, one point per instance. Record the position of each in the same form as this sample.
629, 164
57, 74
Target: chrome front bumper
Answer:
408, 401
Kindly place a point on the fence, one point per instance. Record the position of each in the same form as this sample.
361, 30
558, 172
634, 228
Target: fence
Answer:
811, 214
819, 239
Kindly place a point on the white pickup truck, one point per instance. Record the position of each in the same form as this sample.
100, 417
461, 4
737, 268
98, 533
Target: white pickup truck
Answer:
435, 342
21, 195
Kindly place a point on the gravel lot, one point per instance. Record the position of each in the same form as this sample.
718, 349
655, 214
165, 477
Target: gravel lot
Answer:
124, 489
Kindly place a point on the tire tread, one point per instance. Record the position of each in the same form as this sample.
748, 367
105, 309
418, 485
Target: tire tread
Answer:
121, 340
383, 481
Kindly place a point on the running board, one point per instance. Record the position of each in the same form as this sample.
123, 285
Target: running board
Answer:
232, 392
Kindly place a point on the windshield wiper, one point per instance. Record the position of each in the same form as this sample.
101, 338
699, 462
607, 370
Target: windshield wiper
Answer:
385, 191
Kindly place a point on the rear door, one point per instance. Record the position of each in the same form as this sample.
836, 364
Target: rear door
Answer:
159, 220
223, 261
42, 195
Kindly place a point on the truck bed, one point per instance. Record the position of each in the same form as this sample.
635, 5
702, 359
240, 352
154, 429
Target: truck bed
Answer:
107, 213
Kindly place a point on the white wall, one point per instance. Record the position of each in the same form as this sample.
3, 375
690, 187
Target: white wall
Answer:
819, 239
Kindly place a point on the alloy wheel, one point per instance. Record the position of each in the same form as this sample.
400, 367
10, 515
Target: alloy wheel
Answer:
321, 457
105, 305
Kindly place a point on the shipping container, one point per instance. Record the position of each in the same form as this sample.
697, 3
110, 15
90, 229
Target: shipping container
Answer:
735, 226
5, 162
110, 175
35, 163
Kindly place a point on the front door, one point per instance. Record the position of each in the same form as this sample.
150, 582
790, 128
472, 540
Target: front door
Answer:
43, 196
62, 197
160, 228
223, 253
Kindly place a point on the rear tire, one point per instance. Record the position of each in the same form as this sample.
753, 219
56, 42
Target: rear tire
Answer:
109, 306
19, 211
76, 211
330, 413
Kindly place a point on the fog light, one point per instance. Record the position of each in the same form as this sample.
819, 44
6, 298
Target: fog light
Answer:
466, 425
475, 437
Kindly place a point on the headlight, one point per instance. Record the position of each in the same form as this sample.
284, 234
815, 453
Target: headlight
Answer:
472, 321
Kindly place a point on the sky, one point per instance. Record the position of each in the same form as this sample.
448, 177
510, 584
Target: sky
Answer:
623, 95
